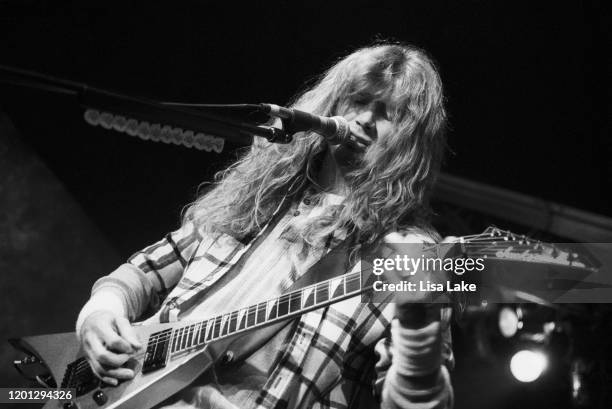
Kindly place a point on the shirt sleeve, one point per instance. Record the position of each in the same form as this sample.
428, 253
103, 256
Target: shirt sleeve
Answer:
145, 280
413, 366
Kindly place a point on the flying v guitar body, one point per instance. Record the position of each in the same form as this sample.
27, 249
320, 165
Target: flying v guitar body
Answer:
158, 375
177, 353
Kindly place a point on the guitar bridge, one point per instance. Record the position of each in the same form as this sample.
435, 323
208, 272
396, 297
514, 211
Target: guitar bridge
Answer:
79, 376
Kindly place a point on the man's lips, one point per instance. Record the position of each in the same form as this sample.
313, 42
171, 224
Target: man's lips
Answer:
358, 140
358, 143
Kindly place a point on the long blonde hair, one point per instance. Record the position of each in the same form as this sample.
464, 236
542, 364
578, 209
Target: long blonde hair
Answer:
389, 191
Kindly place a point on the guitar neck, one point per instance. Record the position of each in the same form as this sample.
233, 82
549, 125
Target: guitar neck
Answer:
492, 243
286, 306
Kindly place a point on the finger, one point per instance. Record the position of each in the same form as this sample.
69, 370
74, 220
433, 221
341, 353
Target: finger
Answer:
120, 373
93, 346
101, 373
117, 344
125, 330
112, 359
112, 340
101, 354
110, 381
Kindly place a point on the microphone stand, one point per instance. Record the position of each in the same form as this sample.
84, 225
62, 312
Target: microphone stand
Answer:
179, 115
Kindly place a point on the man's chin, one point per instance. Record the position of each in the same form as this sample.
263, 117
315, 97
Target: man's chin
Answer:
348, 158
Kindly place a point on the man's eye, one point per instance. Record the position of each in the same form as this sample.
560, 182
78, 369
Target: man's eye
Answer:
360, 101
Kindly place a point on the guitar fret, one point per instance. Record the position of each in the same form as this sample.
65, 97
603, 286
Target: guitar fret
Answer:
243, 318
353, 283
202, 336
283, 306
189, 336
321, 292
261, 312
295, 301
308, 296
194, 335
233, 321
186, 336
224, 324
189, 333
183, 338
196, 332
337, 288
272, 310
174, 340
210, 328
217, 326
251, 316
177, 339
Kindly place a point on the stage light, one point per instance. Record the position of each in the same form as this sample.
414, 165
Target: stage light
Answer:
528, 365
508, 322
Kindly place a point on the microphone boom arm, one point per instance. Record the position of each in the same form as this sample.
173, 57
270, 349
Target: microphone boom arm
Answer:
237, 132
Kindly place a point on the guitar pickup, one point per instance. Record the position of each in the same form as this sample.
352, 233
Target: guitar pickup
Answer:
156, 353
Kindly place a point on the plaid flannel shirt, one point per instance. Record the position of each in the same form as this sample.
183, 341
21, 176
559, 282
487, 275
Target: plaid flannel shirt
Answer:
338, 356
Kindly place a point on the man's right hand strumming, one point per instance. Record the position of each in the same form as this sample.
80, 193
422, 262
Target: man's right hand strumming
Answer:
108, 341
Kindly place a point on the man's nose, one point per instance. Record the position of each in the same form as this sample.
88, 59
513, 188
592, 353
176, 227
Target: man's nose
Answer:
366, 120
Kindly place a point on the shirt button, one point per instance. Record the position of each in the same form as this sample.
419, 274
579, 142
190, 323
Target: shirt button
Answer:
307, 201
296, 213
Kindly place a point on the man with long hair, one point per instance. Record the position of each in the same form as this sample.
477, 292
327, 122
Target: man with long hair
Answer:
269, 219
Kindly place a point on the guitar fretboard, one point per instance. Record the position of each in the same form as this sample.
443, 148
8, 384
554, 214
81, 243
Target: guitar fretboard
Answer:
263, 313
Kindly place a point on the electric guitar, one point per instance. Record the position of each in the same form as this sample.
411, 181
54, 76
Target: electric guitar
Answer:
175, 354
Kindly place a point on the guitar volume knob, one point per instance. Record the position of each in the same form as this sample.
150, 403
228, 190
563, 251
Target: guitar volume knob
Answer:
100, 397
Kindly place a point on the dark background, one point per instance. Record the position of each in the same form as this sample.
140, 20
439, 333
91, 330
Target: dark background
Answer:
525, 83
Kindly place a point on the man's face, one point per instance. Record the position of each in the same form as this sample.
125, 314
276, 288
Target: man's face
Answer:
369, 121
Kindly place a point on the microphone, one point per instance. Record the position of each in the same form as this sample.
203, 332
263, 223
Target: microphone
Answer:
334, 129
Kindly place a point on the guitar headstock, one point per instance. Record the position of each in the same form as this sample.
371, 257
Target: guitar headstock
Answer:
503, 244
